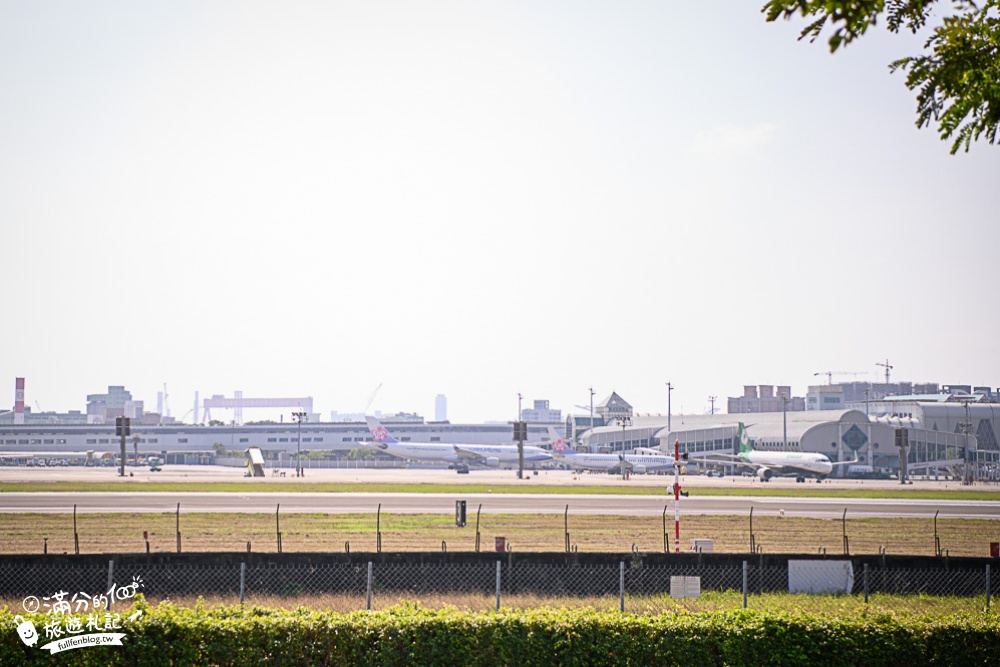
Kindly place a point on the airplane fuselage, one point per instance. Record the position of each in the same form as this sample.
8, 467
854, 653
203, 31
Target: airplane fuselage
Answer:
448, 453
648, 462
802, 463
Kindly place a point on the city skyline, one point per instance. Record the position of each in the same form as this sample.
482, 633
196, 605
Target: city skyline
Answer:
324, 412
475, 201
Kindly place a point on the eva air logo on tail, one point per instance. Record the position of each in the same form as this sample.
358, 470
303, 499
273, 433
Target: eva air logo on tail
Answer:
741, 437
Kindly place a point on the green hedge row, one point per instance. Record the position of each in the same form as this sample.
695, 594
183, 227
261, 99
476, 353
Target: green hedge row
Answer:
408, 635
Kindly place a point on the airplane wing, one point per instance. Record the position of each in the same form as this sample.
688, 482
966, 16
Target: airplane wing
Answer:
465, 454
845, 463
469, 456
726, 458
730, 459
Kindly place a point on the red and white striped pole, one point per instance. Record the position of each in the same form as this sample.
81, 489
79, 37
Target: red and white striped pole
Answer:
18, 400
677, 496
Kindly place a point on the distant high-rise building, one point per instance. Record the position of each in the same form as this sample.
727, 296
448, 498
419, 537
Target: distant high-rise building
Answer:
116, 403
440, 408
541, 413
765, 398
841, 395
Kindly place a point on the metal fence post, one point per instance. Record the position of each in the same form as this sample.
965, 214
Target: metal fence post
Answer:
369, 603
987, 587
744, 584
621, 585
111, 593
498, 585
866, 582
277, 524
243, 580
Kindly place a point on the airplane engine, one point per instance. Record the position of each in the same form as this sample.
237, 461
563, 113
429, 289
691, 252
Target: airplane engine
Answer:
764, 474
639, 468
492, 461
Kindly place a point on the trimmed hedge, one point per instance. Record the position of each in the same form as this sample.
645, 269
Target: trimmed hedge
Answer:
409, 635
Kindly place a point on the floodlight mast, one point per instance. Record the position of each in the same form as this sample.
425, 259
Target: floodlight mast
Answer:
299, 417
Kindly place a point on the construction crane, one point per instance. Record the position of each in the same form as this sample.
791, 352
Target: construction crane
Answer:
887, 369
829, 374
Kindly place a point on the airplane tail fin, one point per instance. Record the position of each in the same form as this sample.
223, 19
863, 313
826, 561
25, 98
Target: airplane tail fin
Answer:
744, 441
379, 432
559, 445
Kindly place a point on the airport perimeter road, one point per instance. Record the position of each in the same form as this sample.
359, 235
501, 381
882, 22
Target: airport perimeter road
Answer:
432, 503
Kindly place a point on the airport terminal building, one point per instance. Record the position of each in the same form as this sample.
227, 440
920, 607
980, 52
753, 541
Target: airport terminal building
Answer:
937, 438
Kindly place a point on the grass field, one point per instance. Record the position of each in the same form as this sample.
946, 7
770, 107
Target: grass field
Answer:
30, 533
760, 490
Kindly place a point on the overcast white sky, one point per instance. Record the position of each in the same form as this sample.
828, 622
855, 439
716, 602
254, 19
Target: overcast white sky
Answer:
475, 199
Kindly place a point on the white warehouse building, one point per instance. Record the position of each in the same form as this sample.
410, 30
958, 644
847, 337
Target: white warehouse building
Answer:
841, 435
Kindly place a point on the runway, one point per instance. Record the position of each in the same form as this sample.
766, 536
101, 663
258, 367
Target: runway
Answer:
255, 499
433, 503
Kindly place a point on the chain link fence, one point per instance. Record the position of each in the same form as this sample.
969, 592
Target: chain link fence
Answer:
832, 586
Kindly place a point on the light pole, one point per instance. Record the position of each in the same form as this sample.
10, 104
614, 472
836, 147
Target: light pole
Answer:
670, 388
784, 422
624, 420
522, 433
591, 409
299, 417
966, 427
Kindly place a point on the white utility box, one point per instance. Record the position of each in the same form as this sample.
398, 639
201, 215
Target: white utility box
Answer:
685, 587
702, 544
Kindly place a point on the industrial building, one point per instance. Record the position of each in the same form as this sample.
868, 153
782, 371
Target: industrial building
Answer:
185, 443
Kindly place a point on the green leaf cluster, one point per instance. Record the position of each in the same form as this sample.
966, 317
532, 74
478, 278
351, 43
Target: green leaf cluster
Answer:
850, 19
410, 635
958, 83
957, 78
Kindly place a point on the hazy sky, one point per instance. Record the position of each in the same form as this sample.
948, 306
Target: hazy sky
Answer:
475, 199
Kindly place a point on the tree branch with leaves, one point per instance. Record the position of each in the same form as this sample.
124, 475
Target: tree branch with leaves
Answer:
957, 78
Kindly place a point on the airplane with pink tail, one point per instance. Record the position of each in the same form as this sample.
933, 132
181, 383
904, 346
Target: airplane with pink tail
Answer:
633, 462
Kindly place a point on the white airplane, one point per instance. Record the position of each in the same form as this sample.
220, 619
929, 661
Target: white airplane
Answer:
634, 462
459, 455
768, 464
